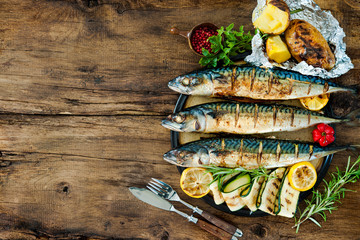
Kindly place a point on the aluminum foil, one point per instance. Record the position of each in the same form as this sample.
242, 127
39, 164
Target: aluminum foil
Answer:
325, 22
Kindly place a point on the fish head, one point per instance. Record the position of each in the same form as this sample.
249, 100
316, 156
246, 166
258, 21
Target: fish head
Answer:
192, 84
188, 156
191, 120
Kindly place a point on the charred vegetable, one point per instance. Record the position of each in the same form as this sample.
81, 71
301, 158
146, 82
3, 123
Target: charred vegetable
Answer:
307, 44
268, 196
232, 190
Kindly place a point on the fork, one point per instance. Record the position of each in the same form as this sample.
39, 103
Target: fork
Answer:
165, 191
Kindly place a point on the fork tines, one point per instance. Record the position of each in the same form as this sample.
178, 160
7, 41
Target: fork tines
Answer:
156, 188
164, 185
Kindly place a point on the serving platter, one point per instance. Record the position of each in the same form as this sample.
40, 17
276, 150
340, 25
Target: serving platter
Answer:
177, 139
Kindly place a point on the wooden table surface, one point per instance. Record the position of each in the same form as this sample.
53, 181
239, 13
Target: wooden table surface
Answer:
83, 91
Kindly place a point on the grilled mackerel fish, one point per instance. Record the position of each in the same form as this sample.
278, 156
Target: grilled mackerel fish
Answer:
248, 153
244, 118
253, 82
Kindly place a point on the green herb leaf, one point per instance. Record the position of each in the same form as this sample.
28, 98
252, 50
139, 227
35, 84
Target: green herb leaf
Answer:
227, 43
205, 52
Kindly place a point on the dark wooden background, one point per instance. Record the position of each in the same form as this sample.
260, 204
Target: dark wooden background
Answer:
83, 88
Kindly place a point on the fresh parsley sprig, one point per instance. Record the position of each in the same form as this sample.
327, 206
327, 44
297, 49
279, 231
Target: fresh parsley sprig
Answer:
333, 192
226, 44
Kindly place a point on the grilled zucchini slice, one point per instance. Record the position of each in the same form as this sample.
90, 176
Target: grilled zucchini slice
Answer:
288, 199
233, 188
277, 201
217, 195
261, 190
268, 196
250, 195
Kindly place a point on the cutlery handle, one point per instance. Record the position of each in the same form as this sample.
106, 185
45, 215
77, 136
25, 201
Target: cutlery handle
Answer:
218, 232
222, 224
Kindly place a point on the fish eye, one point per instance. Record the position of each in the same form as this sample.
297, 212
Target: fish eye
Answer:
185, 81
179, 118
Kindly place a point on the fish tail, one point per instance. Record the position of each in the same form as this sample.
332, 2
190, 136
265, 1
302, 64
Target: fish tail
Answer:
354, 89
354, 147
353, 118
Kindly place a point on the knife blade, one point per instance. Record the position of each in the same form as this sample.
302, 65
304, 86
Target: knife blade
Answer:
151, 198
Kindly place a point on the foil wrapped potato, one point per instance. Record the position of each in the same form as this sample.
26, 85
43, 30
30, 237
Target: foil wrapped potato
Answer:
307, 44
275, 17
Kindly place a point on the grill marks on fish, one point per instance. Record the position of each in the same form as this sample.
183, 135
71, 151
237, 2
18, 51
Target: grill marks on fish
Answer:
248, 153
292, 117
233, 79
259, 155
311, 151
291, 81
270, 79
278, 152
247, 118
252, 80
274, 115
255, 82
309, 88
240, 159
256, 114
296, 151
326, 87
237, 116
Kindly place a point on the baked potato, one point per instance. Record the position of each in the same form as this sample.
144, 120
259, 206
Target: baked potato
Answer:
307, 44
275, 17
276, 49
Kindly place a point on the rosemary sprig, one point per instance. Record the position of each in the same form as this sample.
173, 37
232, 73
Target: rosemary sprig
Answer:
333, 192
296, 11
220, 173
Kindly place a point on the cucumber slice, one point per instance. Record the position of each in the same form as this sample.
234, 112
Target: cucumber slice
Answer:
271, 189
288, 199
231, 191
249, 198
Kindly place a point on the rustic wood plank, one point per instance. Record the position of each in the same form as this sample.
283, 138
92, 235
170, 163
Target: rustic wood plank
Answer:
83, 90
76, 62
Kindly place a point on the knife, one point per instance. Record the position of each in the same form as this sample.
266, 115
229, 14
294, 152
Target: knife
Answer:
157, 201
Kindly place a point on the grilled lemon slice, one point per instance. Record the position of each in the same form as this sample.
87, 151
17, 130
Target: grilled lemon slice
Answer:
315, 103
195, 182
302, 176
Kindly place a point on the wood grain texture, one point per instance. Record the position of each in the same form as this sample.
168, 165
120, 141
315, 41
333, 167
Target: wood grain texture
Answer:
83, 90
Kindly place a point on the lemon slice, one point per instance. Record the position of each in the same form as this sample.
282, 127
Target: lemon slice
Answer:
315, 103
195, 182
302, 176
